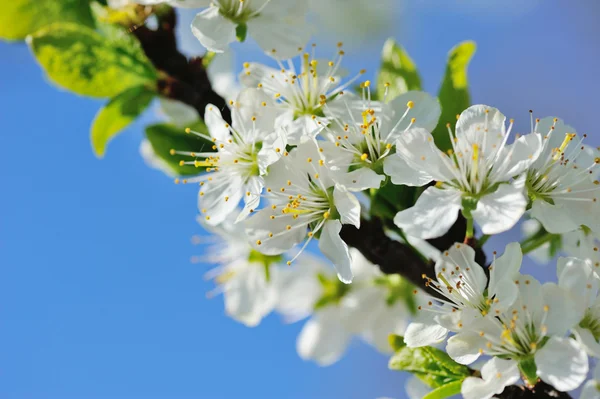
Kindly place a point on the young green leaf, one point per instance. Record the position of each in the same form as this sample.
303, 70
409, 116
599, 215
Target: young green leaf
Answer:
117, 114
398, 70
454, 92
445, 391
81, 60
19, 18
431, 365
165, 137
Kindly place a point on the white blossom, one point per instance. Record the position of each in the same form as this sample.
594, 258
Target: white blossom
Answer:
580, 279
343, 311
241, 274
561, 183
361, 137
531, 329
301, 90
279, 27
244, 151
465, 294
306, 204
475, 176
591, 389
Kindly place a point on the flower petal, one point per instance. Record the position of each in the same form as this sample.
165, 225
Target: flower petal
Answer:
563, 312
336, 250
214, 31
562, 363
424, 333
280, 29
517, 157
402, 173
587, 341
555, 219
261, 225
347, 206
496, 375
323, 338
217, 127
465, 348
433, 214
425, 110
501, 210
219, 197
248, 295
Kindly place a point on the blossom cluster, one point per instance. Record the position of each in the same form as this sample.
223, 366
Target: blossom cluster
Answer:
301, 158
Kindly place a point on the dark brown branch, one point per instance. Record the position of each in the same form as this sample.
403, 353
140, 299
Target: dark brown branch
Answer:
540, 391
185, 80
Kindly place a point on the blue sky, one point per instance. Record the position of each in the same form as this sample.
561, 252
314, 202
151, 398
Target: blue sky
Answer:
98, 298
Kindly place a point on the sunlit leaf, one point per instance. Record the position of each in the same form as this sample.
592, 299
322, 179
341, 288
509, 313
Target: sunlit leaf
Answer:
81, 60
398, 71
117, 114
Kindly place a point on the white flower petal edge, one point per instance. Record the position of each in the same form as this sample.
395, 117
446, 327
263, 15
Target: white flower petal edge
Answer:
496, 375
213, 30
562, 363
336, 250
433, 214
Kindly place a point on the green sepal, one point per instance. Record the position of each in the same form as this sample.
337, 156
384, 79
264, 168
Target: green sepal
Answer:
529, 370
241, 31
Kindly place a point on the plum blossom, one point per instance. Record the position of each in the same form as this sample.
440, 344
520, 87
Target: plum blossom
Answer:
342, 311
244, 151
475, 176
562, 182
464, 293
301, 90
361, 137
244, 276
531, 329
306, 203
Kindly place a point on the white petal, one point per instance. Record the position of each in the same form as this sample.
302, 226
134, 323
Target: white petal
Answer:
347, 206
303, 126
253, 187
423, 333
336, 250
280, 29
517, 157
323, 338
272, 150
417, 147
587, 341
214, 31
465, 348
215, 123
222, 77
416, 389
178, 113
590, 390
556, 219
505, 266
563, 311
250, 117
389, 320
562, 363
483, 125
298, 287
577, 277
501, 210
220, 197
496, 375
359, 179
259, 226
248, 296
402, 173
433, 214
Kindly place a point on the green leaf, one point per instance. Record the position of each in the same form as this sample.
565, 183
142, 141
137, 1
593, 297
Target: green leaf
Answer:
117, 115
398, 70
396, 342
431, 365
165, 137
454, 93
445, 391
19, 18
83, 61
